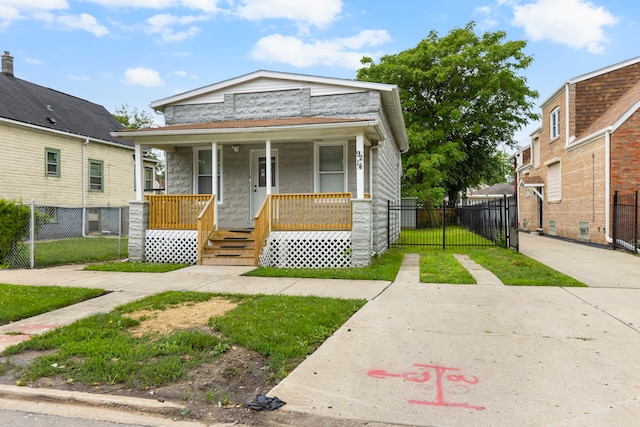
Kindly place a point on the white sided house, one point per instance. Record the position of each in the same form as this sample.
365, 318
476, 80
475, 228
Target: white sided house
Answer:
272, 169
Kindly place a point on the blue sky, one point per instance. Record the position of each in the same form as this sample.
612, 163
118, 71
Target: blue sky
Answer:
131, 52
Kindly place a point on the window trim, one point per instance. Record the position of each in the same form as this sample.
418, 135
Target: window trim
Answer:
144, 176
316, 164
46, 162
554, 128
101, 164
196, 173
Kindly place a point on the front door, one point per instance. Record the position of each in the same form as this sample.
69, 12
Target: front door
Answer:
259, 178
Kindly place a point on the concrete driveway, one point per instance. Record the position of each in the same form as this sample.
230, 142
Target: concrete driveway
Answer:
483, 355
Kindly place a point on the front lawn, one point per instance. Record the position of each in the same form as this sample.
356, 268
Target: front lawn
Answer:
135, 267
19, 302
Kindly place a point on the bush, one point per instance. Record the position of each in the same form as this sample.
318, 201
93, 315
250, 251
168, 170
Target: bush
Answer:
14, 225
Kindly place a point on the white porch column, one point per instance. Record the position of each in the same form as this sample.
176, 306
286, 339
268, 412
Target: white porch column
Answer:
268, 154
139, 173
360, 167
214, 180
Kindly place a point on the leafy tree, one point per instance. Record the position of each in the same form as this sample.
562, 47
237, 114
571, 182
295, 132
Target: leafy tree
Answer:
14, 225
462, 97
136, 119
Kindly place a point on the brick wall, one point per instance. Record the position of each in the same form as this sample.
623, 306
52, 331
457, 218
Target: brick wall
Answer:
625, 156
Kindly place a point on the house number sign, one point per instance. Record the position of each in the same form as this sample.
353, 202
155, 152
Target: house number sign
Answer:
359, 160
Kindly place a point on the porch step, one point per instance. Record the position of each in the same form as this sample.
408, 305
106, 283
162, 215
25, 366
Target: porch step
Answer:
230, 247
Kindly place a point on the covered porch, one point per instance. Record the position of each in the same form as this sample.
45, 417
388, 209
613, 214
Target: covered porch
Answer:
315, 190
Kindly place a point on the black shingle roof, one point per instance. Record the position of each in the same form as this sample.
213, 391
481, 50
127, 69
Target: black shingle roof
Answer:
26, 102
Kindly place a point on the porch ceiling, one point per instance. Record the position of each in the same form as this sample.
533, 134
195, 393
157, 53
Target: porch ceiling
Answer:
251, 131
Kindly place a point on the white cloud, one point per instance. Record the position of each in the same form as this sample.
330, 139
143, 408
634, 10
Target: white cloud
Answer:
576, 23
143, 77
345, 52
162, 25
83, 21
318, 13
33, 61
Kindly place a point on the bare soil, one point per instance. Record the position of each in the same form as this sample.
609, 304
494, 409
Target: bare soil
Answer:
211, 393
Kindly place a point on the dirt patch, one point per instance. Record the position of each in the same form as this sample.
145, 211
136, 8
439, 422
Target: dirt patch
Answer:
211, 393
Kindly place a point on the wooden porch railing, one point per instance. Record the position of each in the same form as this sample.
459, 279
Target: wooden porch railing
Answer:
309, 212
206, 226
176, 211
262, 229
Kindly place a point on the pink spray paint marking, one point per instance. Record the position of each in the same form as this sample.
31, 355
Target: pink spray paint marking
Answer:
425, 376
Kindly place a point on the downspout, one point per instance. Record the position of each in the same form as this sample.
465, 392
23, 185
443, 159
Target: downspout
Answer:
566, 125
607, 185
84, 188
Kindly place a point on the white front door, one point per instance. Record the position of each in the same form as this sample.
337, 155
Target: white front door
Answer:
259, 178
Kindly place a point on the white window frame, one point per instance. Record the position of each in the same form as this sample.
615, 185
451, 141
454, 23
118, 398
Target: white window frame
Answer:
554, 123
196, 174
316, 164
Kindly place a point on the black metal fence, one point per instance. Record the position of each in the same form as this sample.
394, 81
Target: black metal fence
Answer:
625, 221
488, 223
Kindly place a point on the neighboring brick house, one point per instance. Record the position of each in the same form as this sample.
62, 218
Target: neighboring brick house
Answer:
334, 147
57, 149
587, 147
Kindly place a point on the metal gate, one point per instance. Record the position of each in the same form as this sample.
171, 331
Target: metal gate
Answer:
488, 223
625, 221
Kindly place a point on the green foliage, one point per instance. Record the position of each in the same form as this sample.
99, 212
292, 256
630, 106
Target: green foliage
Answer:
383, 267
133, 119
462, 96
441, 267
14, 226
19, 302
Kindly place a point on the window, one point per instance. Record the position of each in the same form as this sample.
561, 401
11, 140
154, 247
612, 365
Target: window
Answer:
148, 178
52, 162
536, 153
204, 169
554, 120
554, 193
331, 173
96, 175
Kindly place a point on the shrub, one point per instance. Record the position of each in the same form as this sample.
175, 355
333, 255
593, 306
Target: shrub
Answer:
14, 225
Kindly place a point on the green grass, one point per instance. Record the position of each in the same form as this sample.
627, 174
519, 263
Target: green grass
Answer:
136, 267
384, 267
71, 251
514, 268
100, 349
433, 238
19, 302
438, 266
286, 329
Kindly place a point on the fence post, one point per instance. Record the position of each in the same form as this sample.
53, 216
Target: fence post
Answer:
635, 222
444, 225
615, 218
504, 214
120, 232
32, 235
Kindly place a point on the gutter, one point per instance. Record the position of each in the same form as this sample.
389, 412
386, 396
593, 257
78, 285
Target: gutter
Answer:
84, 188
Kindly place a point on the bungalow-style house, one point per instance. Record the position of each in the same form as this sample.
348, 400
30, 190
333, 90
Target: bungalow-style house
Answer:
587, 148
273, 169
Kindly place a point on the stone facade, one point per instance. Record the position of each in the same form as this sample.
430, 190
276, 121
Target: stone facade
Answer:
138, 225
361, 233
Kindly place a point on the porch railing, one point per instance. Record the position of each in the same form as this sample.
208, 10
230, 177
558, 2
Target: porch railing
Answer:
206, 226
175, 212
262, 229
309, 212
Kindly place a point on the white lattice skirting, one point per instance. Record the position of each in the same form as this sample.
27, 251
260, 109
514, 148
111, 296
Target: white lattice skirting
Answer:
171, 246
317, 249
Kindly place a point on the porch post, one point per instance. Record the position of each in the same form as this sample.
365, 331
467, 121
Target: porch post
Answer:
138, 169
361, 232
214, 180
360, 167
268, 165
138, 224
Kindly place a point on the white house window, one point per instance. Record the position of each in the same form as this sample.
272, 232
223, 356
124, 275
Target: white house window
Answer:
554, 182
330, 167
52, 162
554, 120
204, 169
96, 177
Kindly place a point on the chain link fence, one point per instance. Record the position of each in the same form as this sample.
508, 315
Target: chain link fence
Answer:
58, 235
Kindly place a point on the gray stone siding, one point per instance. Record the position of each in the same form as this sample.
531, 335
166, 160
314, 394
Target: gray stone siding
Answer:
138, 224
179, 173
361, 233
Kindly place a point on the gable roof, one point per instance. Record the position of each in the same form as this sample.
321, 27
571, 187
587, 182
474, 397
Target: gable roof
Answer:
25, 102
263, 81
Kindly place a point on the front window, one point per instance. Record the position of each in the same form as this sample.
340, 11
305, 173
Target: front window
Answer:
554, 120
96, 175
52, 160
204, 170
554, 179
148, 178
331, 171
